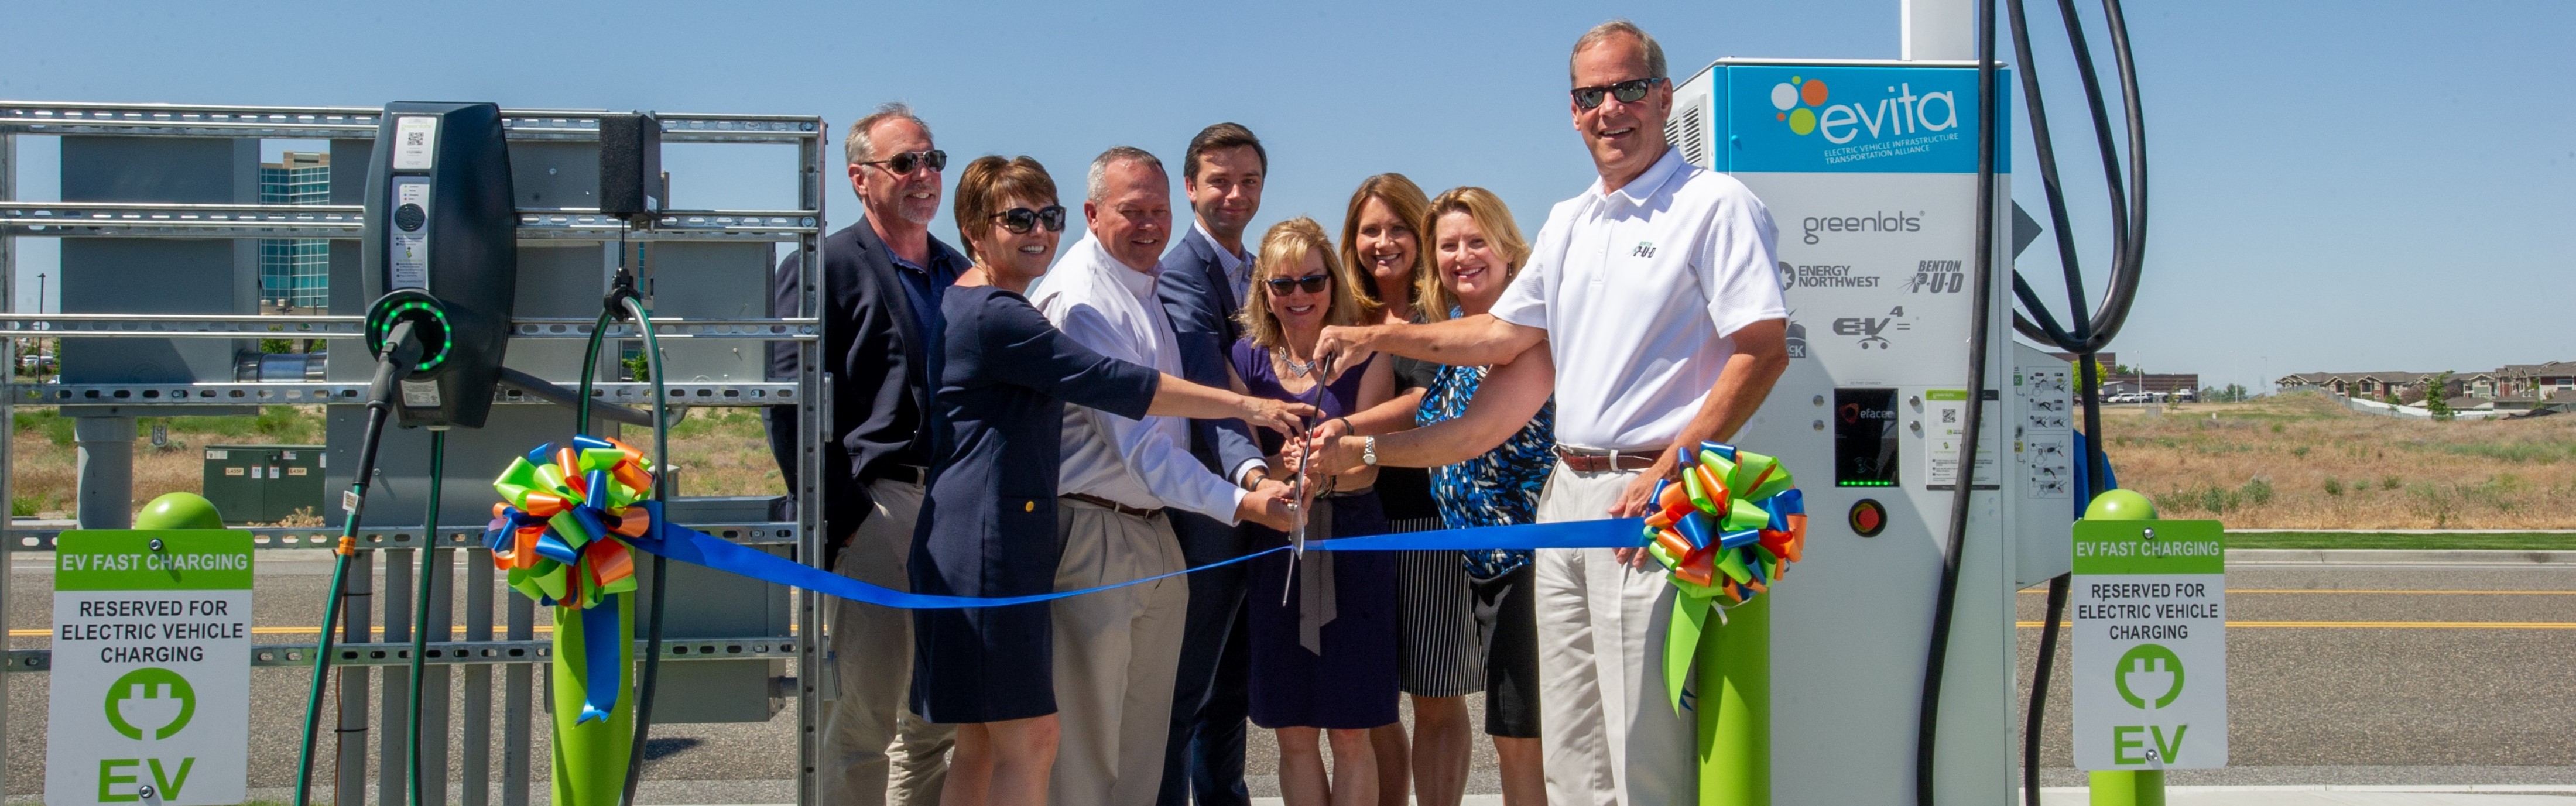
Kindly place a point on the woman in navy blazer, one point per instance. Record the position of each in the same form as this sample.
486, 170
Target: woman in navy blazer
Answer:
988, 525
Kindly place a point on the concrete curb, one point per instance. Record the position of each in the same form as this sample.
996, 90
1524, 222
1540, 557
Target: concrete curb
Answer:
2397, 557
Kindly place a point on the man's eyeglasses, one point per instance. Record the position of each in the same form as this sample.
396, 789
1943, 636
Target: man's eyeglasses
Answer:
1312, 284
904, 163
1628, 92
1019, 219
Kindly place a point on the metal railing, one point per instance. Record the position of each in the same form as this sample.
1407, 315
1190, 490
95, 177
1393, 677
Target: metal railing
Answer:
499, 630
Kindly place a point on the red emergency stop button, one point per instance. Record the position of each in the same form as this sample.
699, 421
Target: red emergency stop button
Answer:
1868, 518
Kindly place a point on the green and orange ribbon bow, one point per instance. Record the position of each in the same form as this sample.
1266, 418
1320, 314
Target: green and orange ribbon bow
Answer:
561, 534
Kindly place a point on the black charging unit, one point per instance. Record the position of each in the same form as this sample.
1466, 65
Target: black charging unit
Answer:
441, 251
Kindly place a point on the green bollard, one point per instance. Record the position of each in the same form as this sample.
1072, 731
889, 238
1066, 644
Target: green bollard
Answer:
2125, 787
179, 511
1734, 719
590, 760
2128, 787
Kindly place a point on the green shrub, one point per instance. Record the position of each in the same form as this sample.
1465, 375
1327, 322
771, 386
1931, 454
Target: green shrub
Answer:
25, 506
2334, 486
2256, 491
2390, 482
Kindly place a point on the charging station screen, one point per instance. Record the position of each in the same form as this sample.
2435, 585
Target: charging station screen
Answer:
1865, 438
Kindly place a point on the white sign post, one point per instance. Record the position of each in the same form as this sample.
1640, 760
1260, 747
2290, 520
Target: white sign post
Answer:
151, 678
2149, 607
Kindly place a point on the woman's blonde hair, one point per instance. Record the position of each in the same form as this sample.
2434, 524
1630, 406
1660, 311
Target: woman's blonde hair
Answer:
1405, 200
1493, 219
1284, 248
989, 181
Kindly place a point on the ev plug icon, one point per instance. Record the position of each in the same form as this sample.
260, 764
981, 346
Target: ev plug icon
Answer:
152, 701
2149, 676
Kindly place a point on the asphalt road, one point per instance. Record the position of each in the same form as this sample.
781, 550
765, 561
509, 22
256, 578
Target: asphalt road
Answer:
2454, 674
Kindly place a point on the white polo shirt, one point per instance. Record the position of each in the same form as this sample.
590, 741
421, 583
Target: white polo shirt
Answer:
1102, 304
1639, 290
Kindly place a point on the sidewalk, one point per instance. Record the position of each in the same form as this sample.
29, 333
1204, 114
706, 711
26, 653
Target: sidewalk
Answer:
2339, 796
781, 793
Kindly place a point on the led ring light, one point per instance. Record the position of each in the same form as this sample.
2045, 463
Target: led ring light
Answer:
429, 325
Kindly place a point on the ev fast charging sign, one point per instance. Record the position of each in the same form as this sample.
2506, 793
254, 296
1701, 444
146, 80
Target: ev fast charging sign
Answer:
2149, 601
151, 678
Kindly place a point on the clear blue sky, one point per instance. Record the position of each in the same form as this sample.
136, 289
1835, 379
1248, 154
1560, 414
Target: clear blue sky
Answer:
2337, 185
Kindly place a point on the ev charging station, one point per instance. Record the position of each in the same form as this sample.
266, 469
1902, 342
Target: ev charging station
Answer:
1869, 169
483, 239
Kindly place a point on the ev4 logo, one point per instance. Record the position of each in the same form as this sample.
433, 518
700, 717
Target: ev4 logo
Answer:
1871, 328
1859, 326
1644, 249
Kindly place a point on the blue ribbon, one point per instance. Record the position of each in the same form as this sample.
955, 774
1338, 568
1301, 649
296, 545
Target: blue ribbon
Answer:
603, 673
699, 548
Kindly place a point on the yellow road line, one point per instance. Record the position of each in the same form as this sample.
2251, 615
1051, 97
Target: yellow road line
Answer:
2030, 625
2376, 625
460, 634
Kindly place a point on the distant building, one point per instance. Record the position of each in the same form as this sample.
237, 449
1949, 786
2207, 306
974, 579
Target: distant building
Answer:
2535, 380
295, 273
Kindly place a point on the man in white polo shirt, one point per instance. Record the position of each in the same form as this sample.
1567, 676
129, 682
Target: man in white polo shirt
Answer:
1651, 309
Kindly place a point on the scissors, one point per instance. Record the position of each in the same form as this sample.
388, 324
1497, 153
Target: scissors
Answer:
1297, 506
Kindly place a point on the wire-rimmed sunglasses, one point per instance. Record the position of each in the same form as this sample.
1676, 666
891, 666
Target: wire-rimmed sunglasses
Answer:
1312, 284
1628, 92
905, 162
1020, 219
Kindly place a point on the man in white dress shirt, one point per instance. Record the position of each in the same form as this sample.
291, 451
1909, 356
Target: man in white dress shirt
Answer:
1116, 652
1654, 294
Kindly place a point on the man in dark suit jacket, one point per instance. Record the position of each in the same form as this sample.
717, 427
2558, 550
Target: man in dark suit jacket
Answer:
1203, 281
880, 284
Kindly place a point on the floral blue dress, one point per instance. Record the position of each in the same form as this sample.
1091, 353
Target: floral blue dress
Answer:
1498, 488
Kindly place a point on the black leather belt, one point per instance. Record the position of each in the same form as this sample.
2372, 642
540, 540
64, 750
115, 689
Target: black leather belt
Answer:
1112, 506
908, 474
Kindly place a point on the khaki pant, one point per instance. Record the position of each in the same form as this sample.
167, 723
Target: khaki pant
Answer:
1116, 654
875, 751
1606, 725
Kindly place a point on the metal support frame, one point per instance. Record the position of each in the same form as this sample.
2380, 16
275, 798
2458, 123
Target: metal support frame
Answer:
518, 647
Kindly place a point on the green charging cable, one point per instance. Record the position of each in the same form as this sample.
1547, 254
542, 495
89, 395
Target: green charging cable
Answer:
420, 613
395, 355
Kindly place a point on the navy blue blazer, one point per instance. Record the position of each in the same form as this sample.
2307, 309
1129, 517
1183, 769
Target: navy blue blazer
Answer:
873, 356
988, 524
1201, 304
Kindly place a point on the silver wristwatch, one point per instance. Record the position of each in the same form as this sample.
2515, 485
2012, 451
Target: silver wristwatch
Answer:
1368, 451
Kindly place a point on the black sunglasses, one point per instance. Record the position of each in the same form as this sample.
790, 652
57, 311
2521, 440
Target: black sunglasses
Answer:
904, 163
1628, 92
1312, 284
1019, 219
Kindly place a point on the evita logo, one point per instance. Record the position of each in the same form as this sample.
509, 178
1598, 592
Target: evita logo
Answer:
1802, 105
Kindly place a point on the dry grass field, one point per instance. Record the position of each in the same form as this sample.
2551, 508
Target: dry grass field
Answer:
2305, 462
2293, 462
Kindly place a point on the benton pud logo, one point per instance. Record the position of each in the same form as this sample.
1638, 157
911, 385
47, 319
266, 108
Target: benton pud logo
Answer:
1802, 104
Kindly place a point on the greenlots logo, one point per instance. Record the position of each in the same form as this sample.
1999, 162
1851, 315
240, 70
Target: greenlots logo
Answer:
1644, 249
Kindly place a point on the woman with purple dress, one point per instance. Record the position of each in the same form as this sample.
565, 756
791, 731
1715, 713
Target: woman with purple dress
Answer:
1323, 626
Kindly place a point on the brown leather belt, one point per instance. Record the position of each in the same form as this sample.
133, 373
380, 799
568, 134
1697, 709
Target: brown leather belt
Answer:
1112, 506
1591, 461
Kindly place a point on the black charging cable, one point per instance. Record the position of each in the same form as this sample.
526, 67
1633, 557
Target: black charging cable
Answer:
2128, 200
401, 352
